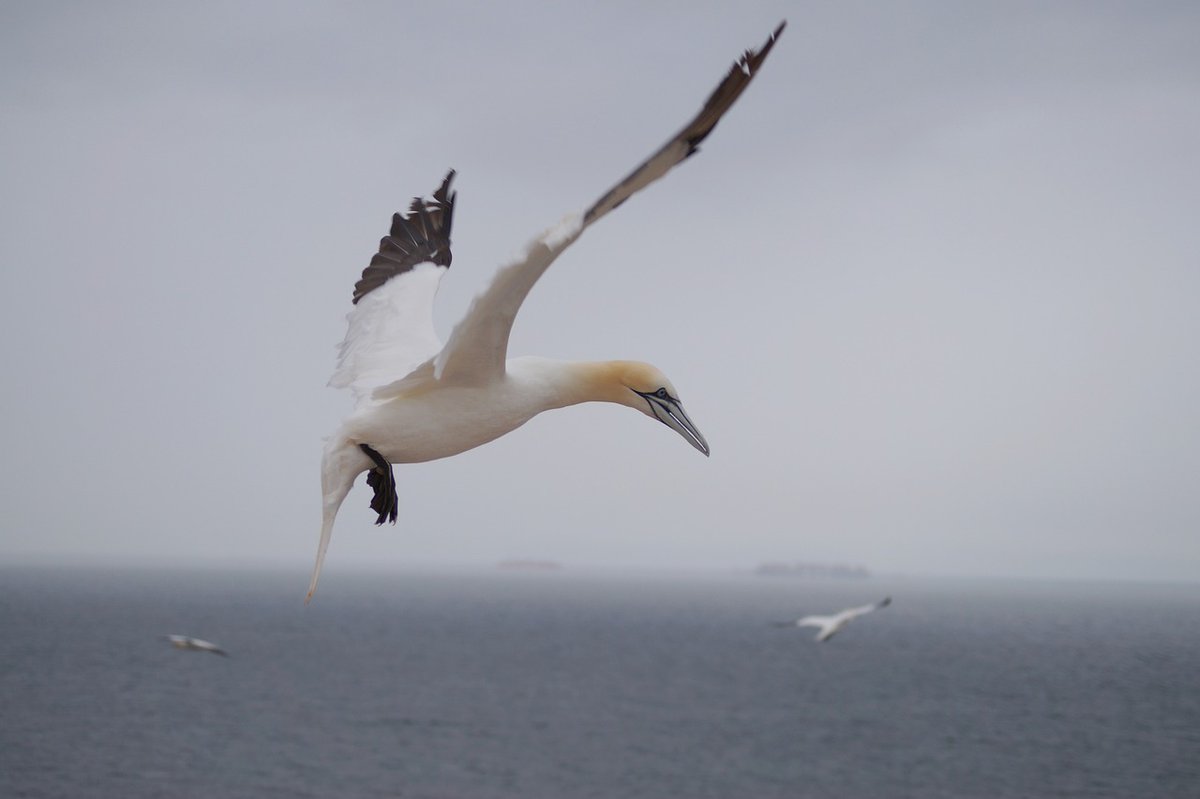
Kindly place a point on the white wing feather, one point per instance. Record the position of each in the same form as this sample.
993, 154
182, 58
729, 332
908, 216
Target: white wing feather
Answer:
853, 613
390, 329
478, 345
390, 341
389, 332
477, 349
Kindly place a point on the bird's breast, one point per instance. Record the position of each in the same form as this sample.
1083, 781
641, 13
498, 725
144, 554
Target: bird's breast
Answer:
439, 423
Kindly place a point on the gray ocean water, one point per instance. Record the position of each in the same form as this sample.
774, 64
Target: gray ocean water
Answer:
481, 685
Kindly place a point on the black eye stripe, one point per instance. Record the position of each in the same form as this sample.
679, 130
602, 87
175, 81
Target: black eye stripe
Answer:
660, 394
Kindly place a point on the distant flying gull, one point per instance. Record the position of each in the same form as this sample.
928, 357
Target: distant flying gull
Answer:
195, 645
832, 625
417, 400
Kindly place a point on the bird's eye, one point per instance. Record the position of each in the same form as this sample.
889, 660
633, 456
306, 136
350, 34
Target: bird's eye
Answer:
662, 393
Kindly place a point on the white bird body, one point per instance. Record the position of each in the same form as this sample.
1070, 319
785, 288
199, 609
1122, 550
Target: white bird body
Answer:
418, 400
195, 644
432, 420
830, 626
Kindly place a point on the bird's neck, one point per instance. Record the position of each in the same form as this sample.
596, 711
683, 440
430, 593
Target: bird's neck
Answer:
564, 383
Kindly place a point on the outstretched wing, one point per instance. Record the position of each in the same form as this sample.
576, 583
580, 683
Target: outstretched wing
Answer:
209, 646
478, 346
828, 632
852, 613
687, 141
390, 329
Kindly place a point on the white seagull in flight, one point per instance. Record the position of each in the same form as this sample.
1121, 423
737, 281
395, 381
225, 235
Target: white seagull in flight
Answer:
832, 625
419, 400
195, 645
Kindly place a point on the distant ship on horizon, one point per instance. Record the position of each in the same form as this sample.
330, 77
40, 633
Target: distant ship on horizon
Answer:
838, 571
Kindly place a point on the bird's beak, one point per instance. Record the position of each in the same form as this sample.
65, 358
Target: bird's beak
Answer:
669, 411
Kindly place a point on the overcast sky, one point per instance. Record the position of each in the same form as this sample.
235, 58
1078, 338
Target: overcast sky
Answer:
931, 289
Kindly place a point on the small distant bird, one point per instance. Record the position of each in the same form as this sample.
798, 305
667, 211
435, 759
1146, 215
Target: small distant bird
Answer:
196, 645
832, 625
419, 400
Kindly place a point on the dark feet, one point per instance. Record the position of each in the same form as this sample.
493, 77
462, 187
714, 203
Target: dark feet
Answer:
384, 482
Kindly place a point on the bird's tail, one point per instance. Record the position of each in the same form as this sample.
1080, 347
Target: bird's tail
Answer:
342, 462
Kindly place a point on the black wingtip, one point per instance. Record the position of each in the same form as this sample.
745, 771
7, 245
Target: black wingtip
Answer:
694, 132
419, 236
720, 101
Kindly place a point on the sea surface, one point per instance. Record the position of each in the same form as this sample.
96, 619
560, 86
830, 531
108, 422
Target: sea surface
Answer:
480, 684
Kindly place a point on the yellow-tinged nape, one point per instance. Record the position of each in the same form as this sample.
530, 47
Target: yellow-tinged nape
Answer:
637, 385
622, 382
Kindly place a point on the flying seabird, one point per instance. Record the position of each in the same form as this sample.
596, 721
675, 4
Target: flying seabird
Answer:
832, 625
195, 645
419, 400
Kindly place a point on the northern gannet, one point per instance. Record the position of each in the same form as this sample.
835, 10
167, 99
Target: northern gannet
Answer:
832, 625
417, 400
195, 645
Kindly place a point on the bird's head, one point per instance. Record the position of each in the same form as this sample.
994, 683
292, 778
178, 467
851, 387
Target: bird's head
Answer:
645, 388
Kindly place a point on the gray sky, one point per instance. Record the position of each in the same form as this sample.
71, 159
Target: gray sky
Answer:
930, 290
